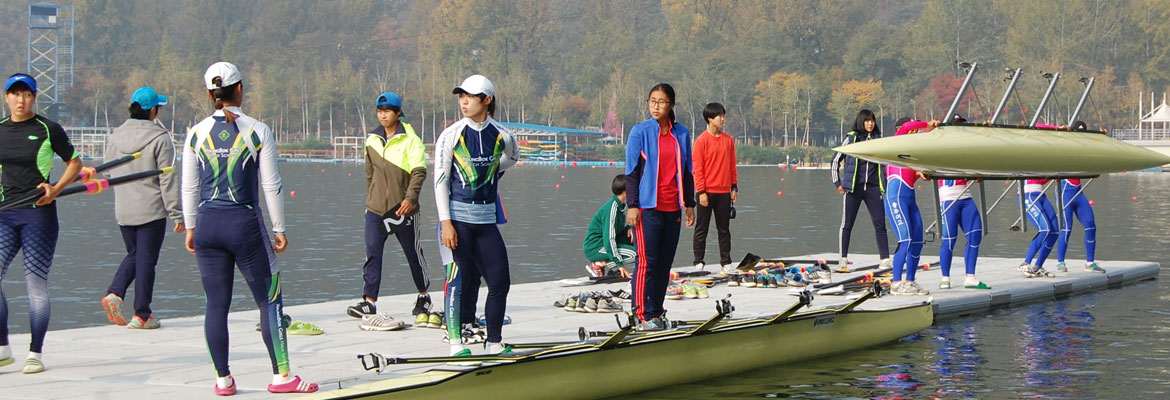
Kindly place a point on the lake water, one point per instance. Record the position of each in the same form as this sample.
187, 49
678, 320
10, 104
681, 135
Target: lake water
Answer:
1107, 344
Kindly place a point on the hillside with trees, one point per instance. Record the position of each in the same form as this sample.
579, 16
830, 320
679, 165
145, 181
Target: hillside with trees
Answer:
791, 72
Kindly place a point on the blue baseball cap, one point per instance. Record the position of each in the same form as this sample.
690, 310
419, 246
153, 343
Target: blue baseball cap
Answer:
389, 99
147, 98
23, 79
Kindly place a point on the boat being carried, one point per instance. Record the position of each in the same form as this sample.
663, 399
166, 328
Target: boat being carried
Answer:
1007, 152
626, 361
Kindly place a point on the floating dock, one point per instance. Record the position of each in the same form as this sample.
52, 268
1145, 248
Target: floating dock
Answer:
107, 362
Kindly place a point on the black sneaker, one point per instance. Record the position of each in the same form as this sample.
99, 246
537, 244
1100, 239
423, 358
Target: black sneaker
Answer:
620, 294
361, 309
422, 305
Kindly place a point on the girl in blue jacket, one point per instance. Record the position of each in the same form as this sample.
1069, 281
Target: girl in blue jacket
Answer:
659, 186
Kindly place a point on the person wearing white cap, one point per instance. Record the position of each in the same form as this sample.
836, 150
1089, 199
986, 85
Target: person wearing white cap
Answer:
470, 156
142, 207
226, 157
26, 159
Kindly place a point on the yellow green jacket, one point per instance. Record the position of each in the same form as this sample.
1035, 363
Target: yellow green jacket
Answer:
395, 168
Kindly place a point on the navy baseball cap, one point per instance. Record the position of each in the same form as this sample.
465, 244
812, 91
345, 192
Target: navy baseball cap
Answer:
388, 99
22, 79
147, 98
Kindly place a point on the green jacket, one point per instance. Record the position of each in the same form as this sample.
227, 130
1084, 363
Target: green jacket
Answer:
607, 230
395, 168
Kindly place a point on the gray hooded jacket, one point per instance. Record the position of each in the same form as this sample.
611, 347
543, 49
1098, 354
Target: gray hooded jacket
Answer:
145, 200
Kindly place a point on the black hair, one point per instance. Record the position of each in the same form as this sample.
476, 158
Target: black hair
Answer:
390, 108
859, 123
669, 92
713, 110
491, 107
137, 112
619, 185
1080, 126
225, 94
902, 121
957, 119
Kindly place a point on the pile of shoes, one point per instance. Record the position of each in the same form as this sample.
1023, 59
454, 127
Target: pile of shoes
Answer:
686, 290
590, 302
434, 320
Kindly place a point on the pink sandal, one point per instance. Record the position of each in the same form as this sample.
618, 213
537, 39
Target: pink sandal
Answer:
297, 385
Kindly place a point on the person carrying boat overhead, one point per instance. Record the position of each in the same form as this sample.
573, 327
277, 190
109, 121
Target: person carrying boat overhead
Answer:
396, 169
26, 159
659, 187
959, 212
229, 163
470, 157
860, 181
1077, 204
902, 208
141, 208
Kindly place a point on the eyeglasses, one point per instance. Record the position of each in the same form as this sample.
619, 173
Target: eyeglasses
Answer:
658, 103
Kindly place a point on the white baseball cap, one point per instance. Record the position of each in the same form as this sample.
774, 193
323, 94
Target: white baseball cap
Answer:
476, 84
227, 73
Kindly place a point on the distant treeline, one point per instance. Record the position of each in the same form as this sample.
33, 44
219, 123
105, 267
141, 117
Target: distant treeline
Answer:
789, 71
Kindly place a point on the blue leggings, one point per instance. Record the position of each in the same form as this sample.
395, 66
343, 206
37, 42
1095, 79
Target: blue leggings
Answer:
656, 237
1078, 206
1043, 217
143, 243
33, 230
225, 238
479, 253
963, 214
903, 211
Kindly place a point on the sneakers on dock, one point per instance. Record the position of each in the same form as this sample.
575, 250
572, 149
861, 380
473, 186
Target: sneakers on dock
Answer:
1034, 271
139, 323
380, 322
908, 288
651, 325
362, 308
113, 306
422, 305
1060, 267
1092, 267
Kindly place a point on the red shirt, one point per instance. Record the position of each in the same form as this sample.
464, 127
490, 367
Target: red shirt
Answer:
714, 163
668, 200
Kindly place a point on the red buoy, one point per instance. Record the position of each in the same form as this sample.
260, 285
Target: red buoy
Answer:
293, 193
779, 193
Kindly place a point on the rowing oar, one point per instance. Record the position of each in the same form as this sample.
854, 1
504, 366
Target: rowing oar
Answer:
85, 175
750, 260
96, 186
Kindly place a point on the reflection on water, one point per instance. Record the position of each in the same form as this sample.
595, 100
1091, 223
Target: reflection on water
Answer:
1054, 348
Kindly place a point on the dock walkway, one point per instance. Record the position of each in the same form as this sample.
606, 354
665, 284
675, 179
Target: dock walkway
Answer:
108, 362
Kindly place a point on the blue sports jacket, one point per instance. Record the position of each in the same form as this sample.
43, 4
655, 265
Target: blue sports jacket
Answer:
642, 165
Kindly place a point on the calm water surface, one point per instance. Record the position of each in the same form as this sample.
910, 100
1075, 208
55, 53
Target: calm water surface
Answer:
1108, 344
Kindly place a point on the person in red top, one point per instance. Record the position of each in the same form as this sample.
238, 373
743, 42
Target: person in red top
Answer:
716, 185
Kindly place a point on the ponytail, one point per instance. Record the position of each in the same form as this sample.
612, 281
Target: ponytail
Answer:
223, 94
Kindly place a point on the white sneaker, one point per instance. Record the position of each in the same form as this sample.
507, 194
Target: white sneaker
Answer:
699, 266
843, 265
886, 263
728, 269
380, 322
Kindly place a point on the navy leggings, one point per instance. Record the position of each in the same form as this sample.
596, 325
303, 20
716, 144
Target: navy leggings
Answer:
376, 244
850, 203
34, 232
143, 243
225, 238
657, 236
480, 254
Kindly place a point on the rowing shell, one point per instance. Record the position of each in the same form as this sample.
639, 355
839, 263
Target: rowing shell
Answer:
1004, 152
